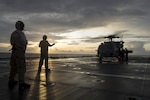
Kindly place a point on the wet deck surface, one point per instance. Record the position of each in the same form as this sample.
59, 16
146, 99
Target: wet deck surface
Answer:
81, 79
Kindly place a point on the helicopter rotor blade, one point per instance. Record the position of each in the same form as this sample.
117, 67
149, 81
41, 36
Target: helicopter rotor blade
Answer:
119, 32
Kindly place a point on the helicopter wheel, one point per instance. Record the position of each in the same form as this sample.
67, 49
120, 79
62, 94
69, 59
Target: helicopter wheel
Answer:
100, 59
119, 59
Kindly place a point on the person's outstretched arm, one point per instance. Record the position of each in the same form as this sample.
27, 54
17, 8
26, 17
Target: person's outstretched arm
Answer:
51, 44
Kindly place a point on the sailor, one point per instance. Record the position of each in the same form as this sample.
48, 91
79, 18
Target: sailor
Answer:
44, 44
17, 61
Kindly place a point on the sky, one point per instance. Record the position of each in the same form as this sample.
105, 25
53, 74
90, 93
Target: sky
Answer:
77, 26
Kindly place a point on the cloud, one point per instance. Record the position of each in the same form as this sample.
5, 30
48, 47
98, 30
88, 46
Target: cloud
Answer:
38, 36
147, 47
140, 48
73, 43
55, 17
61, 15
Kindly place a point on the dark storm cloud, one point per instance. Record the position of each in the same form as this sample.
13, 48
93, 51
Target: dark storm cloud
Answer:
5, 31
61, 15
60, 5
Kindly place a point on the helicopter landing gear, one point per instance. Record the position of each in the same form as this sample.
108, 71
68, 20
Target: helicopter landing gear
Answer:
100, 58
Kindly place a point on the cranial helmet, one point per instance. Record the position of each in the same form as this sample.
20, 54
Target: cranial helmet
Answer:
44, 37
19, 25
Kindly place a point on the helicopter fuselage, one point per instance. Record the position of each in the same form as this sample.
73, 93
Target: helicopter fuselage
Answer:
110, 49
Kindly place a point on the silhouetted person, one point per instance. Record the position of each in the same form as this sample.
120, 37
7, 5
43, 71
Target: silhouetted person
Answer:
122, 54
126, 52
17, 61
44, 53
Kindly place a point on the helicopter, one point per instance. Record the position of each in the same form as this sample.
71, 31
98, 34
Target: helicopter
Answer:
113, 50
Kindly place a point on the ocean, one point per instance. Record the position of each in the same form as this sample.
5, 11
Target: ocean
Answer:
53, 56
29, 56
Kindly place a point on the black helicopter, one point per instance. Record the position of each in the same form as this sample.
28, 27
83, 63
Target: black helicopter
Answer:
113, 51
